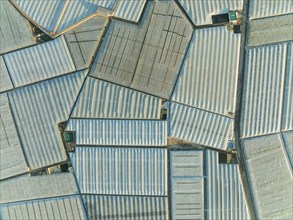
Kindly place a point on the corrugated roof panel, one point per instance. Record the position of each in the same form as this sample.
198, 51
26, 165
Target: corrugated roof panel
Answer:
165, 44
15, 29
119, 51
270, 177
38, 109
199, 126
67, 208
287, 120
129, 9
5, 82
12, 161
39, 62
126, 207
36, 187
187, 184
266, 8
288, 142
57, 16
225, 193
119, 132
263, 90
121, 171
44, 13
75, 11
136, 57
107, 4
100, 99
270, 30
84, 39
201, 11
205, 82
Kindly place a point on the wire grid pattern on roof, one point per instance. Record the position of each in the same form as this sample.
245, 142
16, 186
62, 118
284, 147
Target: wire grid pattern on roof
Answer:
146, 57
165, 44
84, 39
119, 51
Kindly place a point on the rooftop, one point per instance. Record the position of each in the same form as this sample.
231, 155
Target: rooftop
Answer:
164, 109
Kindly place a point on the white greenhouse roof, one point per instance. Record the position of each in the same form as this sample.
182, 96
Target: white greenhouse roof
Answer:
113, 132
200, 127
225, 193
37, 187
38, 109
201, 11
126, 207
16, 32
267, 8
263, 94
39, 62
12, 160
65, 208
270, 30
56, 17
187, 184
208, 78
270, 176
146, 109
83, 40
121, 171
129, 10
5, 81
202, 188
150, 54
288, 145
101, 99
